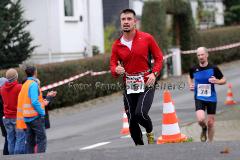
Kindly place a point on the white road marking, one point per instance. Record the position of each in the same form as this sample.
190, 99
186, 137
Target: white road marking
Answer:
95, 145
127, 136
103, 143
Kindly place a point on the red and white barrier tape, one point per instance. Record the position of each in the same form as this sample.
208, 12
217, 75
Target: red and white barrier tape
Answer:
167, 56
99, 73
56, 84
234, 45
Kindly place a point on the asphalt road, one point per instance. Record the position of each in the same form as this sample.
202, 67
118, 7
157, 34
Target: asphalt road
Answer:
96, 125
187, 151
100, 125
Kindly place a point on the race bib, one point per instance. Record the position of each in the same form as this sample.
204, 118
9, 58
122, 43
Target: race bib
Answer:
134, 84
204, 90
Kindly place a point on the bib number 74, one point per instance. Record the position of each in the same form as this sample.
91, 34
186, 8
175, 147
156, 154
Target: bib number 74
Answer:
204, 90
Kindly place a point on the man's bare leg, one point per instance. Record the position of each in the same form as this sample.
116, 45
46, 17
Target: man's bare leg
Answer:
210, 124
202, 122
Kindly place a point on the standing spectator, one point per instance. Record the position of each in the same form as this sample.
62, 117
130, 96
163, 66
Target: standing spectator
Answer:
9, 93
31, 100
49, 97
4, 133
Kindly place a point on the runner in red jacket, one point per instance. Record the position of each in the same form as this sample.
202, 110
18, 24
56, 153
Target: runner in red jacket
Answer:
130, 56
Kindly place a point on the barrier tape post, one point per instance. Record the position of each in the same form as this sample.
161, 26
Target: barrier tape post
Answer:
177, 66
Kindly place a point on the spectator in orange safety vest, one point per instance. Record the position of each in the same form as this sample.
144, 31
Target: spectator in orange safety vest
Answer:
33, 105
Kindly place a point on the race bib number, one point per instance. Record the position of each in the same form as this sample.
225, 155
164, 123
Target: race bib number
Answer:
134, 84
204, 90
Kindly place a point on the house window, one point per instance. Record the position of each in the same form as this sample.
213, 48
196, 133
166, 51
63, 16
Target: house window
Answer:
69, 8
70, 11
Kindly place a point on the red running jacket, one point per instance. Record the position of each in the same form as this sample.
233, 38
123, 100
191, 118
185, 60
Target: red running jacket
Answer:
136, 60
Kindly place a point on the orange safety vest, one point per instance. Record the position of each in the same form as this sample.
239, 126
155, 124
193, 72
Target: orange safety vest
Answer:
25, 102
20, 124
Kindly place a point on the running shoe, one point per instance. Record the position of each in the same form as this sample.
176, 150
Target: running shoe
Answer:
203, 136
150, 137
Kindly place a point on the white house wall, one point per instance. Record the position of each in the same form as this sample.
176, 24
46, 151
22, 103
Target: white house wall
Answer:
219, 16
137, 6
218, 8
96, 24
54, 26
35, 10
72, 31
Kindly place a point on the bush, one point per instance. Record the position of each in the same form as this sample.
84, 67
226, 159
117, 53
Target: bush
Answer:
110, 35
232, 12
95, 50
218, 37
156, 25
79, 90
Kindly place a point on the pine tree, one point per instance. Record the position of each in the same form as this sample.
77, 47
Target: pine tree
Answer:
15, 41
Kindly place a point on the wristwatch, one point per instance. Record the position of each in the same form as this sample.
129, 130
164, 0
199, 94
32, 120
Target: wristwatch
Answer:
155, 74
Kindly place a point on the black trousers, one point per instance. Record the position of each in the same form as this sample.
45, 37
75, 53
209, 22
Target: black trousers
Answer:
137, 106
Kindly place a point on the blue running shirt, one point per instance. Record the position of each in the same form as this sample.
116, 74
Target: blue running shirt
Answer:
203, 89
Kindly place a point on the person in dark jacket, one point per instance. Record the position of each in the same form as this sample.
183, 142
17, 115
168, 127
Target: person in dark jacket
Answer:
4, 133
49, 97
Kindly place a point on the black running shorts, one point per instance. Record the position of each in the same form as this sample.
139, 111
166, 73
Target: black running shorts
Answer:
202, 105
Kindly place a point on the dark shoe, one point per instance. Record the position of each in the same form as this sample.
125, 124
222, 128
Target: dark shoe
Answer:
203, 136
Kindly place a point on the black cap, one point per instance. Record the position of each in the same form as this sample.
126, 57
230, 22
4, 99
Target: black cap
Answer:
30, 70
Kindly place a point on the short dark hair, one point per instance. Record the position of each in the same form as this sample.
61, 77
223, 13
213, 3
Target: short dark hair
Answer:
30, 71
128, 10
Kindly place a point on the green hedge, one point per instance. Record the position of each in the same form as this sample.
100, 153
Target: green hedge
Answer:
156, 25
218, 37
85, 88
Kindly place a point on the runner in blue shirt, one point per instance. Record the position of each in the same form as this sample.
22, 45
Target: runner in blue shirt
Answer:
202, 79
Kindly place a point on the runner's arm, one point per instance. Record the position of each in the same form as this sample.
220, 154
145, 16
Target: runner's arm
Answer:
114, 62
157, 55
190, 80
190, 83
222, 81
217, 81
218, 77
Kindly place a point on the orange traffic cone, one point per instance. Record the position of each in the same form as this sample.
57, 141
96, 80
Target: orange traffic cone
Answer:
229, 99
125, 129
170, 128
